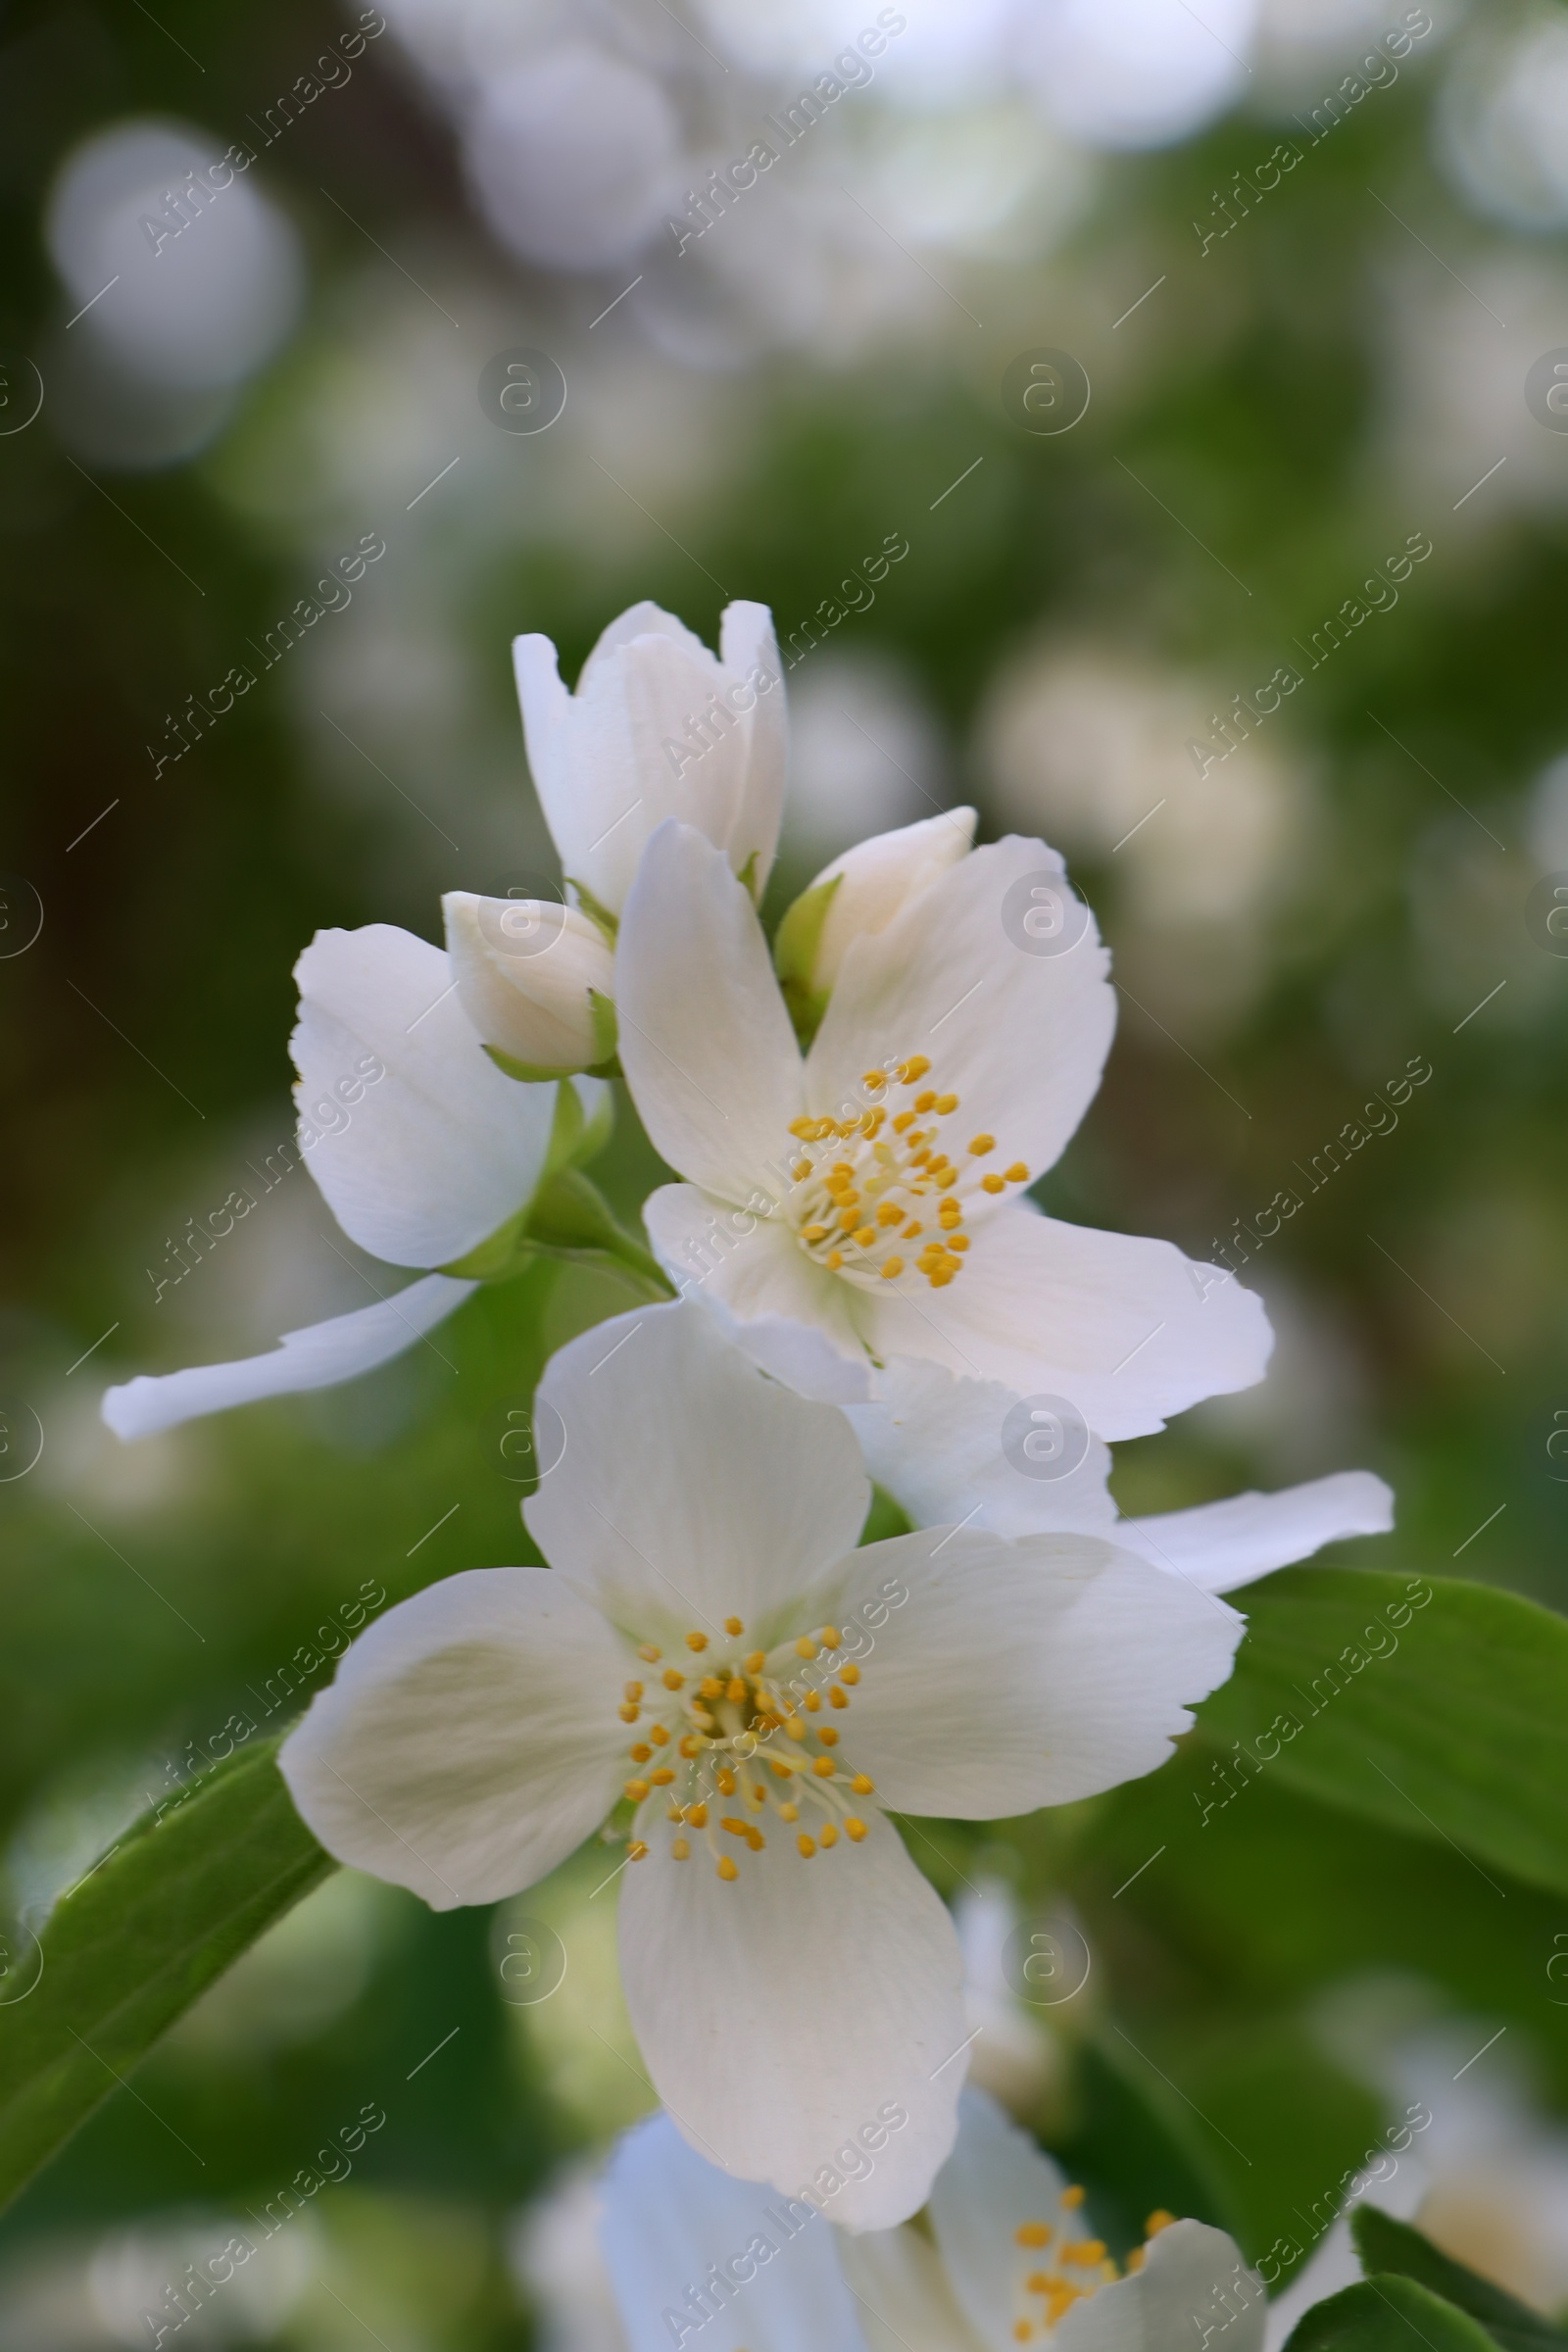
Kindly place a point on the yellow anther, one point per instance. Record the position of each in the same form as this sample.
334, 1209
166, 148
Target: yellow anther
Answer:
834, 1261
660, 1777
805, 1647
993, 1183
1158, 2221
680, 1849
697, 1815
659, 1735
812, 1702
948, 1178
803, 1127
756, 1660
915, 1068
939, 1277
863, 1785
815, 1233
914, 1227
1017, 1173
823, 1768
736, 1828
1072, 2198
945, 1104
874, 1078
1032, 2234
711, 1686
830, 1637
1135, 2260
701, 1717
959, 1241
1085, 2251
838, 1697
949, 1212
789, 1812
938, 1159
697, 1642
806, 1846
636, 1790
854, 1828
735, 1688
782, 1766
925, 1103
1022, 2330
903, 1122
726, 1782
828, 1835
890, 1213
636, 1851
850, 1215
848, 1672
733, 1624
800, 1170
865, 1236
757, 1795
674, 1679
795, 1727
688, 1745
828, 1736
647, 1651
980, 1144
726, 1868
674, 1813
1038, 2283
628, 1713
755, 1839
634, 1690
640, 1753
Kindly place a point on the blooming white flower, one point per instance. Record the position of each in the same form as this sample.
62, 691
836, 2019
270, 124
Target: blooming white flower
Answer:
422, 1150
862, 892
940, 1446
1004, 2257
710, 1645
866, 1202
537, 981
658, 727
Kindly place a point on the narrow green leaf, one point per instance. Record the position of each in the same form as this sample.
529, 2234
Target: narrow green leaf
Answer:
1387, 2314
1384, 2244
1437, 1706
131, 1946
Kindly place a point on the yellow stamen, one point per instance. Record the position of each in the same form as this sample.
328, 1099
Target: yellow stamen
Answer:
805, 1647
838, 1697
640, 1753
812, 1702
829, 1834
993, 1183
733, 1624
807, 1846
890, 1213
636, 1851
915, 1068
848, 1672
789, 1812
1017, 1173
757, 1660
689, 1747
680, 1849
863, 1785
826, 1733
628, 1713
1032, 2234
874, 1078
1072, 2197
659, 1735
674, 1679
636, 1790
634, 1690
830, 1637
726, 1782
726, 1868
823, 1768
661, 1777
647, 1651
865, 1236
697, 1640
697, 1815
854, 1828
815, 1233
925, 1103
834, 1261
1158, 2221
711, 1686
980, 1144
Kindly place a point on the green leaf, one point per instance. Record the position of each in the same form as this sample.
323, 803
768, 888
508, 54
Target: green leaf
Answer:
131, 1946
795, 949
1386, 2315
1437, 1706
572, 1219
1384, 2244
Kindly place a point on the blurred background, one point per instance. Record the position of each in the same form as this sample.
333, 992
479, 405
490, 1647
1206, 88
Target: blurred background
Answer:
1206, 358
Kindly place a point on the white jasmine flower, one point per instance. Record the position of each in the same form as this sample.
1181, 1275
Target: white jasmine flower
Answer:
941, 1448
710, 1648
866, 1202
536, 980
1004, 2257
421, 1149
658, 727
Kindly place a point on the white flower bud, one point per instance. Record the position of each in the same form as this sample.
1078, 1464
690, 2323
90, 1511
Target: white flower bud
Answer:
863, 891
536, 980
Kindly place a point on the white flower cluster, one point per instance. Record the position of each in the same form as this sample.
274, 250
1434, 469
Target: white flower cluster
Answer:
855, 1285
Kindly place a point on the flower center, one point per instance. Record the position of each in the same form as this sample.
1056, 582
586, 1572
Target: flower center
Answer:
720, 1736
882, 1183
1057, 2268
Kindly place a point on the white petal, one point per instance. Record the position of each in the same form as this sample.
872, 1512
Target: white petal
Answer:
749, 651
906, 2304
1021, 1038
434, 1157
790, 2017
692, 1486
1221, 1544
995, 2181
878, 878
525, 969
670, 2218
704, 1040
790, 1316
1193, 2285
318, 1357
935, 1444
1125, 1328
470, 1739
1020, 1672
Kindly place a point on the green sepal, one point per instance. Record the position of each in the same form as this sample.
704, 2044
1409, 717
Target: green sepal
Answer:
1386, 2245
574, 1139
1387, 2314
539, 1073
795, 951
594, 909
747, 877
186, 1890
571, 1220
